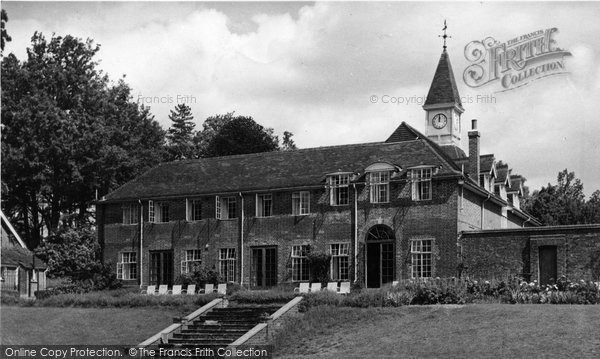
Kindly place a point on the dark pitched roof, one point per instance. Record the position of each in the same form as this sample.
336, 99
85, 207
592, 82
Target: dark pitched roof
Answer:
443, 87
404, 133
18, 256
515, 183
503, 173
281, 169
454, 152
486, 162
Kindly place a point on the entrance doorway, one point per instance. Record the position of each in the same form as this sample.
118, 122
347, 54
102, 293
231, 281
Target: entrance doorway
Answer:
380, 256
161, 267
263, 272
547, 263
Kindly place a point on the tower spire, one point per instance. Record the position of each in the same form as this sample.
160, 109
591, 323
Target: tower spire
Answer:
445, 36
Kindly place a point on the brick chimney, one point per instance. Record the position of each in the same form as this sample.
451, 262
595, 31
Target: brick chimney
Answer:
474, 165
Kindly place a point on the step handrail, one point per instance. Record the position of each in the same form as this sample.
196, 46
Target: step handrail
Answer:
173, 327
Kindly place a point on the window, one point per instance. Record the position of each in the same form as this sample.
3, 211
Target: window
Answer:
226, 207
194, 210
150, 211
130, 213
127, 266
421, 184
339, 261
300, 263
300, 203
227, 264
191, 261
379, 185
339, 189
158, 212
421, 258
264, 205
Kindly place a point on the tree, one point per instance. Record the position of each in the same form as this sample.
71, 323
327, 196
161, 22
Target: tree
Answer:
242, 135
288, 143
180, 135
559, 204
592, 208
68, 133
5, 37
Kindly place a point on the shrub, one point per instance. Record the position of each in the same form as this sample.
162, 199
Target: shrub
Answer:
319, 267
201, 276
319, 298
9, 297
266, 297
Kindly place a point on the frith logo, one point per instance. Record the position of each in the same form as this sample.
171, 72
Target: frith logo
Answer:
516, 62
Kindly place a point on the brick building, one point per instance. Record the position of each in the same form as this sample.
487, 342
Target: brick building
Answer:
384, 211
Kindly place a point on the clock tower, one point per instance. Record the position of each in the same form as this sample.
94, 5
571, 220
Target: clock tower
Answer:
443, 106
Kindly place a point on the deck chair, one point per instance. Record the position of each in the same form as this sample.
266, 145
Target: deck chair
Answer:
209, 288
332, 287
315, 287
150, 290
191, 289
344, 288
222, 288
176, 289
303, 288
394, 283
163, 289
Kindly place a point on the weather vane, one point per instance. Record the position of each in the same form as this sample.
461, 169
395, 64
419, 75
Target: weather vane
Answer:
445, 36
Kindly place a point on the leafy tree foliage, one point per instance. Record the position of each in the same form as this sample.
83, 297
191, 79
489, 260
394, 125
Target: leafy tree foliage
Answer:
68, 133
181, 133
5, 37
288, 142
564, 203
242, 135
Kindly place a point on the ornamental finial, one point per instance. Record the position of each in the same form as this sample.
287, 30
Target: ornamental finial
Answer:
445, 36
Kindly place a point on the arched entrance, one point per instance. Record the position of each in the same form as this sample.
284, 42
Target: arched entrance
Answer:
379, 256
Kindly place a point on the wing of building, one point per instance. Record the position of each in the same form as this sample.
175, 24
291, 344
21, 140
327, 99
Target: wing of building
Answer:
384, 211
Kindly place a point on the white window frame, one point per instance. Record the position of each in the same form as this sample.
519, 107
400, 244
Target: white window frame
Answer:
300, 266
300, 203
130, 213
192, 259
227, 264
222, 205
127, 266
159, 215
339, 184
264, 205
193, 209
379, 186
151, 218
340, 261
421, 183
421, 257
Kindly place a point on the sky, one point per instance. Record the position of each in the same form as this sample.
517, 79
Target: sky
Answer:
315, 68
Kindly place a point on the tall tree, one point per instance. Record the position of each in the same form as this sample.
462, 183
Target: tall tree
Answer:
4, 36
242, 135
181, 133
68, 133
559, 204
288, 143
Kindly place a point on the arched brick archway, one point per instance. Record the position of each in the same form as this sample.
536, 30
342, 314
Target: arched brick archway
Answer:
379, 257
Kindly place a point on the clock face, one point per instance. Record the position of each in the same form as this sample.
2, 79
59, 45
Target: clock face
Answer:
439, 121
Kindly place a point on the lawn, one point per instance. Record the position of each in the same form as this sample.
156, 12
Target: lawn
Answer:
86, 326
470, 331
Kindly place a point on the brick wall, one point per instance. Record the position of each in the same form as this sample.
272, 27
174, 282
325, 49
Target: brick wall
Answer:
498, 253
325, 225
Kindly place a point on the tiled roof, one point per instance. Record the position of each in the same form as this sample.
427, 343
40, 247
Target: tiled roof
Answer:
486, 162
18, 256
515, 183
404, 133
455, 152
503, 172
443, 87
280, 169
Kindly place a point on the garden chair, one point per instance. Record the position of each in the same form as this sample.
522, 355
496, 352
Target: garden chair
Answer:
209, 288
150, 290
394, 283
222, 288
344, 288
191, 289
176, 289
315, 287
303, 288
332, 287
163, 289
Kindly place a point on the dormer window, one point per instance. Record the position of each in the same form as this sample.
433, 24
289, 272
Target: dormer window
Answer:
379, 186
421, 183
339, 189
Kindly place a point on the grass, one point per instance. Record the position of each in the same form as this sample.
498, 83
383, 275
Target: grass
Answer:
470, 331
84, 326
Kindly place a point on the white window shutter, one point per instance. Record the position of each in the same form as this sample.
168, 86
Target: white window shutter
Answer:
217, 208
150, 211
